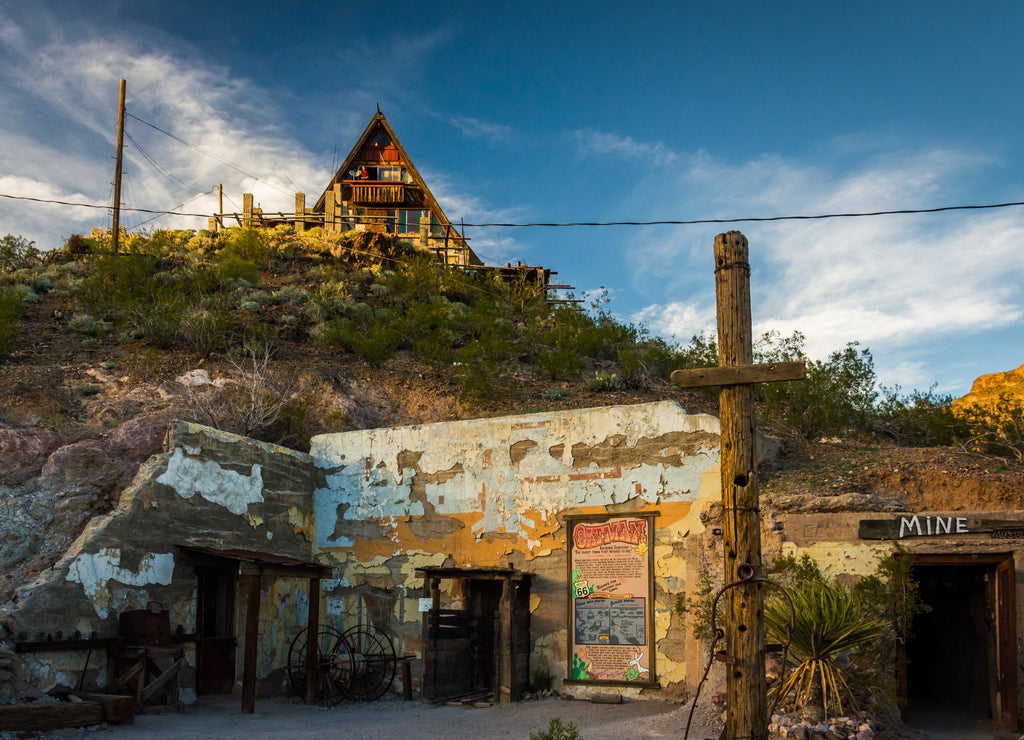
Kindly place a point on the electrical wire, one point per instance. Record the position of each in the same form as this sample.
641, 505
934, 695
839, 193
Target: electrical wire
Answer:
160, 169
180, 205
208, 154
104, 207
760, 219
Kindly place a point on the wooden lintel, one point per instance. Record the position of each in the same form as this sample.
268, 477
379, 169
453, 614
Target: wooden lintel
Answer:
738, 375
271, 570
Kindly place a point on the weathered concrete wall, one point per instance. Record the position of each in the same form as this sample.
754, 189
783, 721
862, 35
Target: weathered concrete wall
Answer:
209, 489
490, 492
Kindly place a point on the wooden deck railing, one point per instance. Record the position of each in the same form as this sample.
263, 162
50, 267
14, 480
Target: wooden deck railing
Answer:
364, 192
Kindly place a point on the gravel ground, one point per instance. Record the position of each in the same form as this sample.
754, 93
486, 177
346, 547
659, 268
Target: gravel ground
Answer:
386, 719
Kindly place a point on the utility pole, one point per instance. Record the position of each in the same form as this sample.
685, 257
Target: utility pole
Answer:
220, 207
117, 170
746, 690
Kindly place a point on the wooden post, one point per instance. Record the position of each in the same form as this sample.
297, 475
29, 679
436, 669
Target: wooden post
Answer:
745, 641
313, 641
220, 207
247, 210
252, 631
745, 682
116, 229
300, 212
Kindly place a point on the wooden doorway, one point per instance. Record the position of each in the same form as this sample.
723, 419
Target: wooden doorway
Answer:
480, 645
215, 627
962, 655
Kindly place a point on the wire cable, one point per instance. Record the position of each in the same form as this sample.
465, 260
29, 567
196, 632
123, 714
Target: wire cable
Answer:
104, 207
760, 219
160, 169
208, 154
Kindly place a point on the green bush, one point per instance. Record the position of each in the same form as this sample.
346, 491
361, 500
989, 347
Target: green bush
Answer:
232, 269
996, 429
557, 731
17, 252
12, 304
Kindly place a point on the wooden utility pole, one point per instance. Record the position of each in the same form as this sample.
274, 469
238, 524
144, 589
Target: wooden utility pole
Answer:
220, 207
746, 690
116, 229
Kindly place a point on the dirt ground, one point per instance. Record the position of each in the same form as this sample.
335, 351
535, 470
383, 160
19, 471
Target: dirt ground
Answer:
409, 720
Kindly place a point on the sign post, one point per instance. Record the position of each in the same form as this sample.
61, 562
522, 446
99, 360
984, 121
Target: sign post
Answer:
746, 690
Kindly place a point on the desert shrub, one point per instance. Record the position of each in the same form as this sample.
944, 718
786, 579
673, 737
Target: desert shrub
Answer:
232, 269
250, 245
996, 429
920, 419
159, 322
291, 294
604, 382
17, 252
86, 324
836, 396
11, 307
557, 731
205, 327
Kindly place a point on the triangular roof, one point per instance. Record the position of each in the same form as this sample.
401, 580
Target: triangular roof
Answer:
377, 125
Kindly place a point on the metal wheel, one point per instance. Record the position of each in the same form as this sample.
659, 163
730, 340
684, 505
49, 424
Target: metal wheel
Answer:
334, 671
373, 663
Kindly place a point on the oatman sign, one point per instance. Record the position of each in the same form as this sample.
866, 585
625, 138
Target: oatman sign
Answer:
903, 526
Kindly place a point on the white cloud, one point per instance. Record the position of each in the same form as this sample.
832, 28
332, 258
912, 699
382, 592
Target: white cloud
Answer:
71, 86
897, 284
591, 143
474, 128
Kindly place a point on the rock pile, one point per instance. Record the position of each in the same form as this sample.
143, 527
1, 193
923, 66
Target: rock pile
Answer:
838, 728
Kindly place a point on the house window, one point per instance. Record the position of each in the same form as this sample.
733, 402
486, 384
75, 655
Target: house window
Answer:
409, 221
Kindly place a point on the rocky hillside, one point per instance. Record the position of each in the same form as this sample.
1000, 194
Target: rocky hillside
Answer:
987, 390
283, 336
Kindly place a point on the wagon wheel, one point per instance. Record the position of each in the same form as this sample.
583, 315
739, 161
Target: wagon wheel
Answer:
373, 663
334, 671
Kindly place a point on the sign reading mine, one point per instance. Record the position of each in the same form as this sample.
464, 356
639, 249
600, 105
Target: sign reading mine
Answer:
904, 526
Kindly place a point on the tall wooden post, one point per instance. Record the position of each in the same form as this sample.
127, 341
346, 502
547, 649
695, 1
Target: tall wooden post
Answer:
116, 228
745, 683
746, 690
313, 642
220, 207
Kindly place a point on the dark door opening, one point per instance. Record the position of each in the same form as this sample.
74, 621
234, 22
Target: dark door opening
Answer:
957, 658
483, 646
215, 625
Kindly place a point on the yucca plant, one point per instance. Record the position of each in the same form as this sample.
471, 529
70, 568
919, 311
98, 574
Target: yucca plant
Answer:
829, 625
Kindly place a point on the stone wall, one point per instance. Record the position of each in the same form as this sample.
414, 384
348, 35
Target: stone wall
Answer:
490, 492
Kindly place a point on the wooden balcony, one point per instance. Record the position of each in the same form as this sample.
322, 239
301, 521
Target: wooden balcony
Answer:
373, 193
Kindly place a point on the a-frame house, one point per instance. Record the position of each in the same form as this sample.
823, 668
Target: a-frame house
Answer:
377, 188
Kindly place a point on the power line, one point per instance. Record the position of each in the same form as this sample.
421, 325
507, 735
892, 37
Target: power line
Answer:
748, 219
160, 169
102, 207
233, 166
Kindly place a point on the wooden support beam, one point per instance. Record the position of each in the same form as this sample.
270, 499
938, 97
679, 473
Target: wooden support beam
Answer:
300, 212
313, 641
252, 627
247, 210
708, 376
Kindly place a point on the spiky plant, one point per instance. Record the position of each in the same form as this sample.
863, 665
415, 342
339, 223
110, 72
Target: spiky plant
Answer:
828, 626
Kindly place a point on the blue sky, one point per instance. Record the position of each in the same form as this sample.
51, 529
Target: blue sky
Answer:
596, 111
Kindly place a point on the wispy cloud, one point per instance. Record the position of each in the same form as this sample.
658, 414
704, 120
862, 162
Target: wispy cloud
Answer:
73, 86
894, 283
474, 128
597, 143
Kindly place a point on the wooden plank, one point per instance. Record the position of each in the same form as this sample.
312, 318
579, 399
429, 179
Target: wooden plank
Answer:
724, 376
313, 642
904, 526
43, 717
117, 708
162, 680
252, 627
37, 646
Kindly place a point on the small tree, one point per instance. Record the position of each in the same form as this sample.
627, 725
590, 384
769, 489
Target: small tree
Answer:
995, 430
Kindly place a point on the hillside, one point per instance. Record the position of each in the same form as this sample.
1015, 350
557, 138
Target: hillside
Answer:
282, 336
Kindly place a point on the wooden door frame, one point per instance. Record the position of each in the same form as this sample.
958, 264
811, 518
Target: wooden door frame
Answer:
1006, 621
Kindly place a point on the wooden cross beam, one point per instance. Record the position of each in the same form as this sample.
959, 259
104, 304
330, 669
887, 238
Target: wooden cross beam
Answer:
746, 690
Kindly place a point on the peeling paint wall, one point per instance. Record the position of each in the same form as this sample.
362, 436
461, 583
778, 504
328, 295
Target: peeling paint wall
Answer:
209, 489
489, 492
